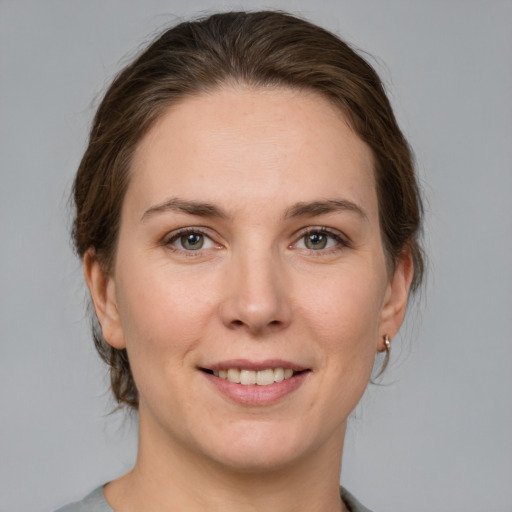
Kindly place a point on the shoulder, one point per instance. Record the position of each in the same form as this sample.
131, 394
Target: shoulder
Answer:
94, 502
352, 503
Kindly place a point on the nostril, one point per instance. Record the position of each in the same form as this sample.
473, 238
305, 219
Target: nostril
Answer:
239, 323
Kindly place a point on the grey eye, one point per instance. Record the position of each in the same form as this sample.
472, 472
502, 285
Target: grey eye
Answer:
192, 241
316, 241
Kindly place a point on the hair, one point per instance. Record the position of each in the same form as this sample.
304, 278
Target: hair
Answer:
256, 49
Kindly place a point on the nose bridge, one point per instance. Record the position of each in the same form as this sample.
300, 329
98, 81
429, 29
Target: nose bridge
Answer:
256, 292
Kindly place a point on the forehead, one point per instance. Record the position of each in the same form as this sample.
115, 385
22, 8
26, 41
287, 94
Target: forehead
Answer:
252, 145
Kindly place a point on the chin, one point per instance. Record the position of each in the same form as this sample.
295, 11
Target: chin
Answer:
252, 449
256, 461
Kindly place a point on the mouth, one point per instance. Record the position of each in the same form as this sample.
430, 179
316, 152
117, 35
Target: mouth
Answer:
252, 383
248, 377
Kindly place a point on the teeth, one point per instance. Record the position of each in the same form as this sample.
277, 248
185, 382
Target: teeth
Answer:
265, 377
247, 377
251, 377
233, 375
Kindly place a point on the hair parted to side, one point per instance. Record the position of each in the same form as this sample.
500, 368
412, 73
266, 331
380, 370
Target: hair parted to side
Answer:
257, 49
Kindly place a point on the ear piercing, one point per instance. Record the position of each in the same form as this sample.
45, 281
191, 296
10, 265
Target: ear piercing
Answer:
387, 345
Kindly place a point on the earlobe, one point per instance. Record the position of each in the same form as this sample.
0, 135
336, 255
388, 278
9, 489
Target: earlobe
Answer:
395, 305
103, 294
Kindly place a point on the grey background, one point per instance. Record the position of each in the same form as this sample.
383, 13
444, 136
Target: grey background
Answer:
438, 436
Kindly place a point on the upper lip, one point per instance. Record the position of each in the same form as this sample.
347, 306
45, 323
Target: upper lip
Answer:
245, 364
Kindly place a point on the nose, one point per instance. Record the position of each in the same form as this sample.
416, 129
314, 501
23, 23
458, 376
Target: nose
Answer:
256, 295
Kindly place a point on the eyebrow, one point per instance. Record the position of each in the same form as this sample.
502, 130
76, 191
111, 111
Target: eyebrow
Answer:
316, 208
197, 208
302, 209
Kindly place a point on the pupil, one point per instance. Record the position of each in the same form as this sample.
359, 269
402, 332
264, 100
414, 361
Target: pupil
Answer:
192, 241
316, 241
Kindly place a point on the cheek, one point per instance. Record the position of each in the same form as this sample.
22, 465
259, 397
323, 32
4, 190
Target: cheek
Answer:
344, 303
162, 322
343, 316
160, 311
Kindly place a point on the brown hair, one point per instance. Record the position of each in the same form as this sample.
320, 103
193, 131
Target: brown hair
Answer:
257, 49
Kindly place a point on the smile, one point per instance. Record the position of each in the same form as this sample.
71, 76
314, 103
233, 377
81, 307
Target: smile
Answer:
256, 383
251, 377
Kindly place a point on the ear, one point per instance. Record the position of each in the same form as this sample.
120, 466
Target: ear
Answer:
395, 302
102, 288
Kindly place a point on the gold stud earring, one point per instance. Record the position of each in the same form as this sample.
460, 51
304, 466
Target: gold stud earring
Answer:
387, 345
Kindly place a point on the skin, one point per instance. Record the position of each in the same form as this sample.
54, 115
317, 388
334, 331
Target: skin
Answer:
255, 291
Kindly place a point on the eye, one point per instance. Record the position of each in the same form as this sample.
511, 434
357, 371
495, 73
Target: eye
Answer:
319, 239
190, 240
315, 241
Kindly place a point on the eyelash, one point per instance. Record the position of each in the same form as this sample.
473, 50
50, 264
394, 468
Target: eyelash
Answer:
168, 241
341, 241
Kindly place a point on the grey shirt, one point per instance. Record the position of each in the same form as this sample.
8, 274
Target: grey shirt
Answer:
96, 502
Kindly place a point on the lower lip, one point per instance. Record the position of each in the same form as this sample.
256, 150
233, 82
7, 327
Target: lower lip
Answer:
254, 394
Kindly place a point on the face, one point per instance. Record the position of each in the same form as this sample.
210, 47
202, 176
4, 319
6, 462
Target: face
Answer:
250, 250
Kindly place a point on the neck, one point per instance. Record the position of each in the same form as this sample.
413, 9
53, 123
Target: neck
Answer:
169, 476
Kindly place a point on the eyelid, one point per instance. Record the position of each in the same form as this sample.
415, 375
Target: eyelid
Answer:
341, 239
171, 237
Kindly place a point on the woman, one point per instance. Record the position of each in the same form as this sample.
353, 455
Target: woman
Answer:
248, 218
